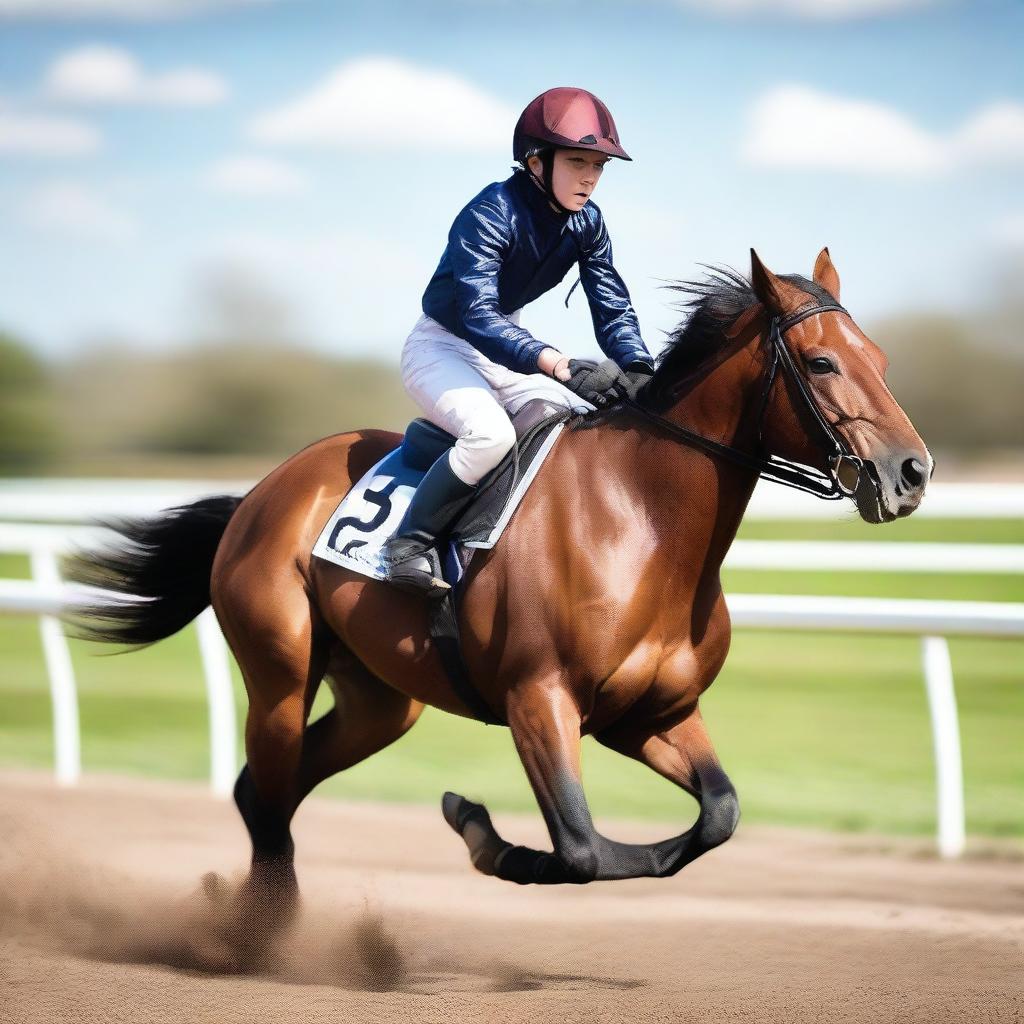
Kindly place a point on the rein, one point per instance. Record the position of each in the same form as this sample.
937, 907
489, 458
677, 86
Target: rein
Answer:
830, 485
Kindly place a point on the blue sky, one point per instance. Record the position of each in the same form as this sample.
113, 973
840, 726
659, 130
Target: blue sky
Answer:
151, 147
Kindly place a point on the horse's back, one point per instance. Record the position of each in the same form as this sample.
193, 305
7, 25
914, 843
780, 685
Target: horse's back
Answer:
274, 528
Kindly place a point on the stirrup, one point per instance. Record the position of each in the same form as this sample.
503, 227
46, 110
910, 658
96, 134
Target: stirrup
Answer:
418, 573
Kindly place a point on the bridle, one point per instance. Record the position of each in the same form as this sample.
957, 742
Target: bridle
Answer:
828, 485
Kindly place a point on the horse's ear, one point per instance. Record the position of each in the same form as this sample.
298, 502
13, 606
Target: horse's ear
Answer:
825, 274
771, 290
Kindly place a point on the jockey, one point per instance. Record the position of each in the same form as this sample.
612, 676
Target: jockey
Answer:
467, 363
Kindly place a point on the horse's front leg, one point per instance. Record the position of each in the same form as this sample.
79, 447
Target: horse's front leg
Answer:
683, 754
546, 727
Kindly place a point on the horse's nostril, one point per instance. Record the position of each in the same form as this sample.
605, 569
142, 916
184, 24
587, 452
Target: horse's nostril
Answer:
914, 472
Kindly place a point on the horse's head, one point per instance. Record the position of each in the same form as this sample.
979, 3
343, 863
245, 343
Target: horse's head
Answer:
843, 372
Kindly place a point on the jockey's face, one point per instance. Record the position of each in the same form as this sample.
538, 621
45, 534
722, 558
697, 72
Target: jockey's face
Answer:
574, 176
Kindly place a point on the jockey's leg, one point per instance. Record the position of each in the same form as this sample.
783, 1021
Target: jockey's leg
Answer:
439, 373
411, 554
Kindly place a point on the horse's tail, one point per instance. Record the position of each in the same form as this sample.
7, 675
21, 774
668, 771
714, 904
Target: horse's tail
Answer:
159, 573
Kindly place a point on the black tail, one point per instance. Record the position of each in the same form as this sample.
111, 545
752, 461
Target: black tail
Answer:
162, 573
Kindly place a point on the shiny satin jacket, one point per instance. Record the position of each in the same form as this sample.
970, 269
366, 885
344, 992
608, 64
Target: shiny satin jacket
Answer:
506, 248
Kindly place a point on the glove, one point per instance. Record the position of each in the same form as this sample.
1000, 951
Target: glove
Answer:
597, 383
638, 375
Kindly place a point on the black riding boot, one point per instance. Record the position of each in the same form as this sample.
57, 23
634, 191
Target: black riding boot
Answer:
411, 555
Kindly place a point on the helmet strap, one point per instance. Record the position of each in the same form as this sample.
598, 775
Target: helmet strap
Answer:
547, 159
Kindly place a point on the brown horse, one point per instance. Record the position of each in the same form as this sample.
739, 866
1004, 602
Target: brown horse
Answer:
599, 612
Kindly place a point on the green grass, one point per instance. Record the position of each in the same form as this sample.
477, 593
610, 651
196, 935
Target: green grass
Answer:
948, 531
816, 729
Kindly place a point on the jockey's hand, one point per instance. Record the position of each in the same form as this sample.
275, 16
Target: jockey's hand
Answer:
554, 364
638, 375
597, 383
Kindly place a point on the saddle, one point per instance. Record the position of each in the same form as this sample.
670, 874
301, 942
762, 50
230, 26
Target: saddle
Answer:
373, 509
480, 525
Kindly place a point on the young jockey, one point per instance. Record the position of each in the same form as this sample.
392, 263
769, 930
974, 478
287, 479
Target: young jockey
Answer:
467, 363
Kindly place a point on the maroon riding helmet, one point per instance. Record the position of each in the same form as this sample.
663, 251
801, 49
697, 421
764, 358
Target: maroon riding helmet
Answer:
572, 118
566, 118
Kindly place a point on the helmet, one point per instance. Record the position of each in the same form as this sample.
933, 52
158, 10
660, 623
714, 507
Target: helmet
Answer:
566, 117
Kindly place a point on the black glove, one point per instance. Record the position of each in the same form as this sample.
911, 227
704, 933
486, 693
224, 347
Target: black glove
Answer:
638, 375
597, 383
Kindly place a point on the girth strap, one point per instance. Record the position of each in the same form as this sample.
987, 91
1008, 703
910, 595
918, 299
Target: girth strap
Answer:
444, 631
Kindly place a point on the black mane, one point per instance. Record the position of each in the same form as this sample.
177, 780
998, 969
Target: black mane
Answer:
713, 304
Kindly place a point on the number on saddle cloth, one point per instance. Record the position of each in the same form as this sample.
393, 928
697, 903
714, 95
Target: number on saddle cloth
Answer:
372, 511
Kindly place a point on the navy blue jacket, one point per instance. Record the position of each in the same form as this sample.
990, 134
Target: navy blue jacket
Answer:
506, 248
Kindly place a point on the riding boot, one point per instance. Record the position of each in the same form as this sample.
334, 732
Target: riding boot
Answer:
411, 556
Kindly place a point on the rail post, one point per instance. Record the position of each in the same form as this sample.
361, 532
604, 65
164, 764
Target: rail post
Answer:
949, 774
64, 697
221, 701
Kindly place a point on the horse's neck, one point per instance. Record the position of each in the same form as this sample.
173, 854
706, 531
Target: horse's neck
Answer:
704, 497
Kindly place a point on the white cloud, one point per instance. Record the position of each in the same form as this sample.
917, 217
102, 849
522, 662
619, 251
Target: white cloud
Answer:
69, 207
255, 176
105, 74
43, 135
43, 10
795, 126
817, 10
993, 135
382, 103
1008, 232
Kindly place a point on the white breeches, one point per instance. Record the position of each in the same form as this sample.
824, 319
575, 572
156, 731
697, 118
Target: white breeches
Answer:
462, 391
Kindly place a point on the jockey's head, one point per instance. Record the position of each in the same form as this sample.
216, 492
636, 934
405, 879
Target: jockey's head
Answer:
563, 139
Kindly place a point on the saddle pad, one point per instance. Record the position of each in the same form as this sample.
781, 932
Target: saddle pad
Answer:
373, 509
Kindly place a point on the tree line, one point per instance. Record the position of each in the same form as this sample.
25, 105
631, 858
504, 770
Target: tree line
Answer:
114, 409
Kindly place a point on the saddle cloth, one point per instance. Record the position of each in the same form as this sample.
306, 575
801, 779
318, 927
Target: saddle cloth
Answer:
373, 509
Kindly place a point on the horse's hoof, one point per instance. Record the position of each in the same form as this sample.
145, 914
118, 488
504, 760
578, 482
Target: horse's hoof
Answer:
450, 804
457, 810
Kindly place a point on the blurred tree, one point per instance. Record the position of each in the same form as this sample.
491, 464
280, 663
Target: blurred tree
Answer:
29, 438
220, 399
235, 303
962, 392
249, 393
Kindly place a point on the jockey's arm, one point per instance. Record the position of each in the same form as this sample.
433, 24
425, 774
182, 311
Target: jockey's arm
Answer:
616, 327
477, 244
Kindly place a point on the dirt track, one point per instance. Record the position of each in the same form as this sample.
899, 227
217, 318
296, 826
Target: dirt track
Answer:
99, 896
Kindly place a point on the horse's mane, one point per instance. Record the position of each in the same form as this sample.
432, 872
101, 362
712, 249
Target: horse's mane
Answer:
713, 305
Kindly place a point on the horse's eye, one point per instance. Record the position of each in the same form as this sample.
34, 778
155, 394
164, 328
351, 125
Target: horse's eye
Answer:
821, 365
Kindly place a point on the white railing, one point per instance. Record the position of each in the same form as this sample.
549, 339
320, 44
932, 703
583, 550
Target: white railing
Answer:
78, 500
46, 596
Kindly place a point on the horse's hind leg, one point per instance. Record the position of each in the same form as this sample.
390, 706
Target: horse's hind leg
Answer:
367, 716
283, 653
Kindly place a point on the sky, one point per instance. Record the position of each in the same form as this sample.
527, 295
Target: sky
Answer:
312, 155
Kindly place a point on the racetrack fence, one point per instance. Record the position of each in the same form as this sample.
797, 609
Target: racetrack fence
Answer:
43, 519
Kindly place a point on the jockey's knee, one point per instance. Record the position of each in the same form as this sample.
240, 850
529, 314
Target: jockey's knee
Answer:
477, 453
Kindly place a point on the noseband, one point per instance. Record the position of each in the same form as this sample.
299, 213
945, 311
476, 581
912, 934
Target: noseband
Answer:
839, 456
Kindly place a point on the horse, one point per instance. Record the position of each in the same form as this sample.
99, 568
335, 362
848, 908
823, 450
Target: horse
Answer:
600, 611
